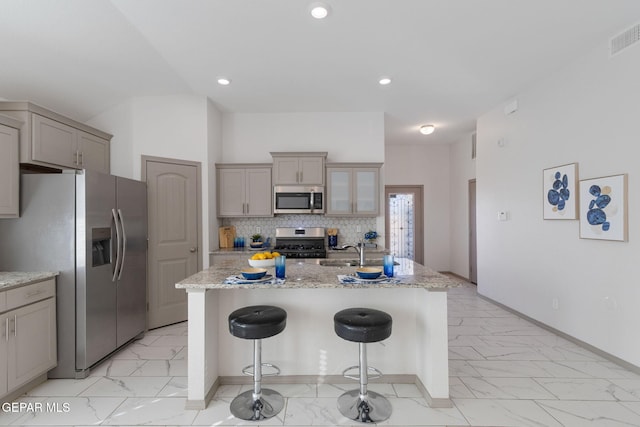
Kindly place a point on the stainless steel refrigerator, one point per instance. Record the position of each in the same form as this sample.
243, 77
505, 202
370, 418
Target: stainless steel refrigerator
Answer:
92, 228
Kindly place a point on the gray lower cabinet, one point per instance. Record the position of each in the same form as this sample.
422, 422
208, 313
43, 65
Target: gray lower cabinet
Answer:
244, 190
353, 189
9, 172
51, 140
28, 337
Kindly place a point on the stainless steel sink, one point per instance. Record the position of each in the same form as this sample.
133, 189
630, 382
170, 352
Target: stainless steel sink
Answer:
339, 262
351, 262
377, 262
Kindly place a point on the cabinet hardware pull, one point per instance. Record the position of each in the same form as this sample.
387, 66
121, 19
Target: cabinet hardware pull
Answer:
81, 161
247, 207
15, 325
301, 179
192, 250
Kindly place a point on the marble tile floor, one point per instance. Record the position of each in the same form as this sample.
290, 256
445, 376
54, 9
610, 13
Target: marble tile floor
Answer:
504, 371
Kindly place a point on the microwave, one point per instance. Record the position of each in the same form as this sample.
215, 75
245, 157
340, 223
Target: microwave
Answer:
294, 199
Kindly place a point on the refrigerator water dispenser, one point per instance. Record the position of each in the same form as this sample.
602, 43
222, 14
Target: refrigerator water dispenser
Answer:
101, 246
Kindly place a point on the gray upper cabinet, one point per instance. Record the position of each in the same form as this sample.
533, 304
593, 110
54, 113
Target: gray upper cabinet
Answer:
298, 168
9, 168
51, 140
353, 189
244, 190
93, 152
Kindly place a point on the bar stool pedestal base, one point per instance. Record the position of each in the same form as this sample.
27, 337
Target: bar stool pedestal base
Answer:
245, 408
374, 409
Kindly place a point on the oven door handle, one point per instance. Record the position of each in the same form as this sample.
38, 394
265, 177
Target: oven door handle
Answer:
311, 199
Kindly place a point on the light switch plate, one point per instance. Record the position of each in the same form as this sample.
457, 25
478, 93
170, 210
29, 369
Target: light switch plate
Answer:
502, 216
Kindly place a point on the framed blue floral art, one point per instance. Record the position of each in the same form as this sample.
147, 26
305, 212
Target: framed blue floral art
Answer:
560, 185
603, 208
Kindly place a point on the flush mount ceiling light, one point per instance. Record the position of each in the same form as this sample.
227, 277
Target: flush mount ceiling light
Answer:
223, 81
384, 81
427, 129
319, 10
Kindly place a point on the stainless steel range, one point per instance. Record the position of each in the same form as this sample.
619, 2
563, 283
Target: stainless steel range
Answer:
301, 242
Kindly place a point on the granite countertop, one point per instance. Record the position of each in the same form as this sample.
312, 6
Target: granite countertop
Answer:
330, 252
13, 279
303, 274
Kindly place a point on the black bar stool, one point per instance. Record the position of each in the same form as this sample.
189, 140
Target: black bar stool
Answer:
363, 325
255, 323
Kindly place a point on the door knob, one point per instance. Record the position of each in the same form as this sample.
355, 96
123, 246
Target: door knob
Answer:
192, 250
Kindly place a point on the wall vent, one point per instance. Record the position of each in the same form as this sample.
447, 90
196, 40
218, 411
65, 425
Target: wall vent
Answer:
625, 39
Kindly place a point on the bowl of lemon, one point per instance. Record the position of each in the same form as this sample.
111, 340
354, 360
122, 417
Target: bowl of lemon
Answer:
263, 259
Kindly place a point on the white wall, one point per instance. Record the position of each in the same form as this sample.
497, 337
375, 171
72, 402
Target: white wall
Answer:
586, 113
462, 169
162, 126
214, 150
347, 137
192, 128
118, 121
426, 165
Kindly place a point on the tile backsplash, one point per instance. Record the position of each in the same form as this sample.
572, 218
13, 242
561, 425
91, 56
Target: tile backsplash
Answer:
347, 227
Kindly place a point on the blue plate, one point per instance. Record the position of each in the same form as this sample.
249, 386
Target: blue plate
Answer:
254, 273
369, 272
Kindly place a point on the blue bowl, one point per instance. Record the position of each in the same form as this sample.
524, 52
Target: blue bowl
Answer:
369, 272
254, 273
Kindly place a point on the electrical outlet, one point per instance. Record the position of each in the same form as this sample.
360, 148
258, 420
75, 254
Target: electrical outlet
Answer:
358, 229
555, 303
258, 231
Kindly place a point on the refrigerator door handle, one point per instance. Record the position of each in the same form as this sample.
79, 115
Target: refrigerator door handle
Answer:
124, 243
117, 266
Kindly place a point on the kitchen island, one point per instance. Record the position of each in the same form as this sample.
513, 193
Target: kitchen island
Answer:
308, 350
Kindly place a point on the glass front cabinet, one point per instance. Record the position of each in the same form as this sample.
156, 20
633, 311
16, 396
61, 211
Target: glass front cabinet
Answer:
353, 189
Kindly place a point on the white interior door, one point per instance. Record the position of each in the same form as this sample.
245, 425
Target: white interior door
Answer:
173, 200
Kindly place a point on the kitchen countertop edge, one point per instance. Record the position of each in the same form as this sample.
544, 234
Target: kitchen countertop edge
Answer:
247, 251
309, 275
15, 279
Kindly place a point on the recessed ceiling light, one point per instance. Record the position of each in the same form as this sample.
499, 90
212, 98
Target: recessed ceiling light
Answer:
224, 81
384, 81
427, 129
319, 10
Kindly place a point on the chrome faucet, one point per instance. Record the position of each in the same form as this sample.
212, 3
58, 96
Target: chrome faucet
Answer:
359, 247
